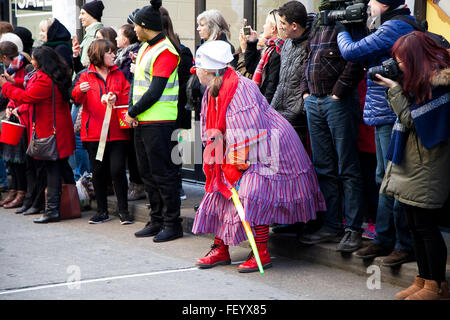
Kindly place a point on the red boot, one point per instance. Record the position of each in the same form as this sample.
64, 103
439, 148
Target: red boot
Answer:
250, 265
218, 255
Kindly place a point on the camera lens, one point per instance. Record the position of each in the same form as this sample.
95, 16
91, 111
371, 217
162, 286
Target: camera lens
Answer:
373, 71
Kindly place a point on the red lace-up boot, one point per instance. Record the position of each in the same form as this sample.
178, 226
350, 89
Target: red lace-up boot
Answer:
218, 255
250, 265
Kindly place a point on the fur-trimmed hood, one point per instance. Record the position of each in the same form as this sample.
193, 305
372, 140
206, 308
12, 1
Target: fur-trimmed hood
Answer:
442, 78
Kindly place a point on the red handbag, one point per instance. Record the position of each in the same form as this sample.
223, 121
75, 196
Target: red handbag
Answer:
70, 207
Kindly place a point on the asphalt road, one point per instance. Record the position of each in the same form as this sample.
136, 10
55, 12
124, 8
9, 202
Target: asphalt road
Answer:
73, 260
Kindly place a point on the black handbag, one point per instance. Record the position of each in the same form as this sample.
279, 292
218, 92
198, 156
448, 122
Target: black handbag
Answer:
44, 148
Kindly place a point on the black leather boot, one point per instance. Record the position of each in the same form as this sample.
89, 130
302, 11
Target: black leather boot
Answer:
23, 208
32, 210
27, 203
51, 213
169, 233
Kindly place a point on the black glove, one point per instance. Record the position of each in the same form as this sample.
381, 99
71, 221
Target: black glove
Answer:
339, 27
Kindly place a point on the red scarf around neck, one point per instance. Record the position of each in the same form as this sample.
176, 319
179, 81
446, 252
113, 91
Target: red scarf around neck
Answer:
214, 157
273, 44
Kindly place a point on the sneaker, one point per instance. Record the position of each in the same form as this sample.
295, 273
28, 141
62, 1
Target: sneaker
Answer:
126, 218
369, 233
351, 241
182, 195
323, 235
99, 218
372, 251
396, 258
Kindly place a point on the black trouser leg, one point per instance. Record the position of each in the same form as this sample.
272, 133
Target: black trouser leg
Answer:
429, 245
113, 165
40, 185
31, 176
117, 154
158, 172
132, 161
99, 175
18, 175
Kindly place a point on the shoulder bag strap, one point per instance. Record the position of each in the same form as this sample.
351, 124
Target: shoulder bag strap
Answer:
53, 105
53, 102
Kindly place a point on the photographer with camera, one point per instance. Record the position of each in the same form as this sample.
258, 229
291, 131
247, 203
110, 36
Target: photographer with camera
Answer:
393, 240
419, 152
332, 105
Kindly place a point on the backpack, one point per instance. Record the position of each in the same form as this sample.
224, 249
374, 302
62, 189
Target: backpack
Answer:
439, 39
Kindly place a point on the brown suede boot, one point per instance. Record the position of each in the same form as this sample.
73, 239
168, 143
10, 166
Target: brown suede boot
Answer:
10, 197
416, 286
431, 291
17, 202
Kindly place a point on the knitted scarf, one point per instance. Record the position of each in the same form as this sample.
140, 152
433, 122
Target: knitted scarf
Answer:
271, 45
214, 159
16, 64
431, 122
123, 54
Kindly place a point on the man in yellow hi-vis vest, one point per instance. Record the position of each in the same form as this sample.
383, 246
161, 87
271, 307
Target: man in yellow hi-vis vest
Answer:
153, 113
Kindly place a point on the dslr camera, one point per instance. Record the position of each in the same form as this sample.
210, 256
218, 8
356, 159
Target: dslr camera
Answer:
388, 69
352, 11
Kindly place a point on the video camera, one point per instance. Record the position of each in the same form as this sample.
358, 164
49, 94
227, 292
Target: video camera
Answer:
353, 11
388, 69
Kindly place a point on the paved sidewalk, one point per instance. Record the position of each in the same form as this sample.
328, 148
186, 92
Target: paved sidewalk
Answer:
287, 246
75, 260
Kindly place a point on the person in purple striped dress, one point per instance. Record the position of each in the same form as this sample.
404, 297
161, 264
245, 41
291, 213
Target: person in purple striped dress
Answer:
251, 147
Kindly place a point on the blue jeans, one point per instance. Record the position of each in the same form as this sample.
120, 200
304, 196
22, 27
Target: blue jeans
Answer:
333, 128
3, 174
79, 161
391, 222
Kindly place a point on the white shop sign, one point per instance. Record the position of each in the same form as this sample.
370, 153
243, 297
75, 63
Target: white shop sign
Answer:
28, 8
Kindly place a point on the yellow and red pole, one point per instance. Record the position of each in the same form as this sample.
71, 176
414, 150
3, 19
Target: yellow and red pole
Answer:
248, 230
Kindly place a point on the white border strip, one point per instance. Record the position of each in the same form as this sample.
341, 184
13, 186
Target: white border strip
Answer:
76, 283
33, 14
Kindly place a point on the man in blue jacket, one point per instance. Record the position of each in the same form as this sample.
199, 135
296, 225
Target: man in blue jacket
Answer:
329, 91
392, 240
